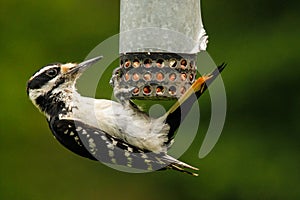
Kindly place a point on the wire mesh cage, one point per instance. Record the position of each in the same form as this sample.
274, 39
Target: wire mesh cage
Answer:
157, 75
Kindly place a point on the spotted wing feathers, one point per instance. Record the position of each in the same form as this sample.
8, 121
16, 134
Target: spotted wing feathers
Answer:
95, 144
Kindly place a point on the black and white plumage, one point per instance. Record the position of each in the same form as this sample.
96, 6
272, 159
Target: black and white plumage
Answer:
105, 130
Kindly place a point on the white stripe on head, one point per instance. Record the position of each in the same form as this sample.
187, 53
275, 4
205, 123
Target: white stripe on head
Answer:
43, 70
35, 93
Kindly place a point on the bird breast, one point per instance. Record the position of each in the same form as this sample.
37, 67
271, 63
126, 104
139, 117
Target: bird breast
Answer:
123, 122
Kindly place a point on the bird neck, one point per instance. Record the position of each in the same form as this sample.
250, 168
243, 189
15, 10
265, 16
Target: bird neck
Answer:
56, 103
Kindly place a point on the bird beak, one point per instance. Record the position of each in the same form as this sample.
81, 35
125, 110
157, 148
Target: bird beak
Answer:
81, 67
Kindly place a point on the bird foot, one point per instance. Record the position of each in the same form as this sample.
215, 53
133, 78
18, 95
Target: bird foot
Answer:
115, 76
123, 94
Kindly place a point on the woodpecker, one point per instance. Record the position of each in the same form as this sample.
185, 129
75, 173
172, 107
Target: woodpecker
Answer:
112, 132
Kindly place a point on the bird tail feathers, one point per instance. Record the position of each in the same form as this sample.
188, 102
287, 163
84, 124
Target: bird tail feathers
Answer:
180, 166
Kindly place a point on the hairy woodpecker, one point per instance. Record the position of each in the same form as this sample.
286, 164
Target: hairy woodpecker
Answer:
105, 130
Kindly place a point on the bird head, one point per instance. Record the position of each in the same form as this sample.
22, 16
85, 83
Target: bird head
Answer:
54, 79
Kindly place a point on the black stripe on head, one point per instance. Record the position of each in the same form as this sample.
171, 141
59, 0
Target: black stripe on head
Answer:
43, 76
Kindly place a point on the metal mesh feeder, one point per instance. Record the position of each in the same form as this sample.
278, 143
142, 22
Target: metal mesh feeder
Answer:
157, 75
159, 42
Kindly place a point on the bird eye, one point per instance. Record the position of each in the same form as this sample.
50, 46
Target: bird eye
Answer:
51, 72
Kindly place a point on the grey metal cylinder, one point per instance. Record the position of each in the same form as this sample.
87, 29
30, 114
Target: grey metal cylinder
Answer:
161, 26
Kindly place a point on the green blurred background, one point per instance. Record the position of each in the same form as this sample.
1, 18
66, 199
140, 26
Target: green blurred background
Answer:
257, 156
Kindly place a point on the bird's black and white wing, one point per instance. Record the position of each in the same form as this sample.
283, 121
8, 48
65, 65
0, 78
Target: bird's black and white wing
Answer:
95, 144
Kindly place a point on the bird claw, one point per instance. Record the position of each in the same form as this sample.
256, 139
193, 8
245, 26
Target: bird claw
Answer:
123, 94
113, 80
131, 89
115, 75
